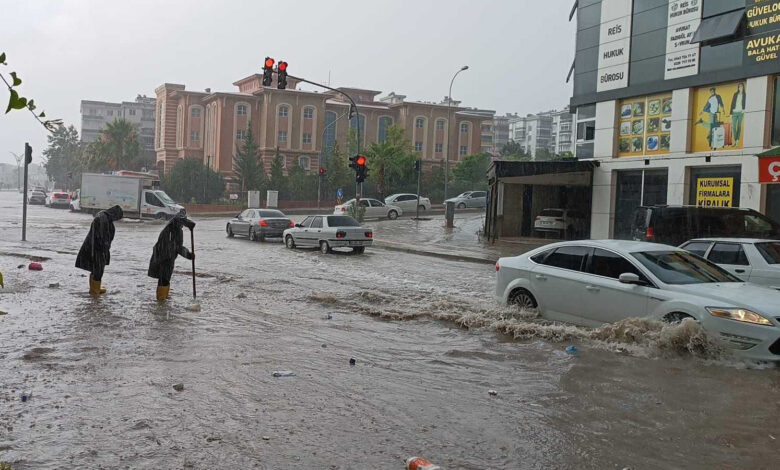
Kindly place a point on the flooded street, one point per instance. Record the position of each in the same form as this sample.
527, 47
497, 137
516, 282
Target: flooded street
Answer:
428, 340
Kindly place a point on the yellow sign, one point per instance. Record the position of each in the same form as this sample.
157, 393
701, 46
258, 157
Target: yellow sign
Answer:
714, 192
718, 117
645, 126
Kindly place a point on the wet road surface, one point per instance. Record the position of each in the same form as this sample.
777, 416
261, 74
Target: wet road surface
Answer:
428, 340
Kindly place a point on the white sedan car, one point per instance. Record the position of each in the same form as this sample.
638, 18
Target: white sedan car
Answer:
328, 232
408, 202
594, 282
375, 209
750, 259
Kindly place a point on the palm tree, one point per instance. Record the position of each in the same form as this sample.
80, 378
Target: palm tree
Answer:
121, 143
388, 157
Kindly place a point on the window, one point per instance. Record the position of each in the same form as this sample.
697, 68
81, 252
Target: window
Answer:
110, 112
485, 128
270, 213
308, 113
132, 112
375, 203
195, 136
317, 222
697, 248
342, 221
439, 148
776, 115
770, 251
419, 123
282, 136
307, 222
329, 135
384, 123
728, 253
463, 151
240, 110
306, 138
478, 194
608, 264
93, 112
586, 131
539, 257
363, 203
567, 257
680, 267
246, 214
440, 125
152, 200
418, 146
283, 111
718, 28
196, 112
240, 135
304, 162
464, 127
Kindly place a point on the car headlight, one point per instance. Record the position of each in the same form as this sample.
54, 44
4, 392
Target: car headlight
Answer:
739, 314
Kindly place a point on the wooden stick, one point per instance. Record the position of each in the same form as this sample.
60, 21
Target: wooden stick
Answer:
192, 249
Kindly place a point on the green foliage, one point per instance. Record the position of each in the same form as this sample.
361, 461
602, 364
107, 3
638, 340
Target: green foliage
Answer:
119, 148
63, 157
387, 160
277, 180
247, 166
356, 212
339, 175
512, 148
17, 102
301, 185
190, 179
473, 170
3, 465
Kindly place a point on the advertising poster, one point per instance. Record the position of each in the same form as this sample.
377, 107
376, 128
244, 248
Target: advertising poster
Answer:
682, 57
762, 43
714, 192
645, 126
718, 117
614, 44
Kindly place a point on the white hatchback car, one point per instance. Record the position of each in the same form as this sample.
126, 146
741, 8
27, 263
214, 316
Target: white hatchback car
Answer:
408, 202
566, 223
754, 260
594, 282
375, 209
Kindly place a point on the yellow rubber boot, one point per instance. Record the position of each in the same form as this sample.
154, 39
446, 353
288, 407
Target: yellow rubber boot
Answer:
162, 293
94, 287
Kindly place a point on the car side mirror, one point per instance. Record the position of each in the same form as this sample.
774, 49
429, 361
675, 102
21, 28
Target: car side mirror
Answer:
299, 225
629, 278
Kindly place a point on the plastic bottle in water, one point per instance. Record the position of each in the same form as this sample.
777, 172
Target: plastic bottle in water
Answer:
419, 463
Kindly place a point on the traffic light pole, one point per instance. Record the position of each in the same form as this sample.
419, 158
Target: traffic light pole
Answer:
24, 194
419, 168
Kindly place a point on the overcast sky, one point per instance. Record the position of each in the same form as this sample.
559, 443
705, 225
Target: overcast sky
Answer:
518, 51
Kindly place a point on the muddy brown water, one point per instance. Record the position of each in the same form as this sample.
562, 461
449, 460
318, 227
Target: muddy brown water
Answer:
427, 339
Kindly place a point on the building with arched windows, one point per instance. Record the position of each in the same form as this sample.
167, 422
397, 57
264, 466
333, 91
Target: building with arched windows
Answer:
301, 125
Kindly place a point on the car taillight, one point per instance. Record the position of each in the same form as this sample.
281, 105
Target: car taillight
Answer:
341, 234
497, 266
343, 209
292, 224
263, 223
369, 234
538, 219
649, 234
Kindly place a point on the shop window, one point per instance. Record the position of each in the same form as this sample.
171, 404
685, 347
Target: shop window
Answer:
645, 126
776, 114
586, 131
634, 189
718, 117
715, 187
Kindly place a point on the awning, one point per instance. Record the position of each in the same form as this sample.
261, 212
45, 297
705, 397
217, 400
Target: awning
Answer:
510, 168
775, 152
719, 28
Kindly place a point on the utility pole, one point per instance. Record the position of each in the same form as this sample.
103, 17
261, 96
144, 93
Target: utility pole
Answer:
27, 161
18, 159
449, 126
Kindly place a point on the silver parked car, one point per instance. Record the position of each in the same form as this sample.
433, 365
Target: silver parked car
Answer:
470, 199
408, 202
375, 209
36, 197
754, 260
594, 282
328, 232
259, 224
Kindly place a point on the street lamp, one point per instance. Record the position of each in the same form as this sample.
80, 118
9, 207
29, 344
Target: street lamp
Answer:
447, 154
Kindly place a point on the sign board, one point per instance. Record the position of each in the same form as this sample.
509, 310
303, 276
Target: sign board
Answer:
272, 199
339, 193
714, 192
769, 170
614, 44
682, 57
233, 197
253, 199
718, 117
762, 43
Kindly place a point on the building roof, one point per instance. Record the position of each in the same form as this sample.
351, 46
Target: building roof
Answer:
508, 169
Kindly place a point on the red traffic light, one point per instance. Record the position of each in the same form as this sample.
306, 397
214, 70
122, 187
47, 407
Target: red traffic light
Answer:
282, 66
361, 160
323, 171
269, 63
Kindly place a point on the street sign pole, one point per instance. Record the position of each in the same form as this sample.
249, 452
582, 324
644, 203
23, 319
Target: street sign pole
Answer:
419, 169
24, 194
319, 187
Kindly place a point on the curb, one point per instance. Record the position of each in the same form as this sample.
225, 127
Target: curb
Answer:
435, 254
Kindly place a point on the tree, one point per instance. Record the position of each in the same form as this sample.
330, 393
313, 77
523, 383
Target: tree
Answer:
512, 148
302, 186
473, 170
246, 165
63, 157
389, 158
15, 101
118, 148
277, 181
339, 175
190, 179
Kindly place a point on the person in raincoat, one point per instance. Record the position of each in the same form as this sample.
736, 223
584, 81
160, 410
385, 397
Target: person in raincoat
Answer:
170, 244
95, 252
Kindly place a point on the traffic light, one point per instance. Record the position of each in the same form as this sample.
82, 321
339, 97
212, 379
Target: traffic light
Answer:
281, 75
360, 168
353, 162
417, 165
268, 70
323, 171
27, 154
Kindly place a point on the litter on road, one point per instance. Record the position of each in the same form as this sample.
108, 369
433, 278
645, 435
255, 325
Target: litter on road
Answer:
35, 266
572, 350
352, 361
178, 387
492, 393
284, 373
419, 463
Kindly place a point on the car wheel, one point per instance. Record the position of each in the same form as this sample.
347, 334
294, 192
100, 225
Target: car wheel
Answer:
461, 206
523, 299
359, 250
261, 237
392, 215
289, 242
677, 317
324, 247
252, 235
229, 231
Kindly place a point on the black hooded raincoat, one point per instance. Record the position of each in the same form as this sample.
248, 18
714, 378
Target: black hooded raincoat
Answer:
95, 252
170, 244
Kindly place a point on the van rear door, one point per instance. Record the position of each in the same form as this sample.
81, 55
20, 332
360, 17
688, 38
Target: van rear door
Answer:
640, 223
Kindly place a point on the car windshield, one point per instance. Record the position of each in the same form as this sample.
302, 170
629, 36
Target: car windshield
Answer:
164, 197
342, 221
552, 213
466, 194
681, 267
770, 251
271, 214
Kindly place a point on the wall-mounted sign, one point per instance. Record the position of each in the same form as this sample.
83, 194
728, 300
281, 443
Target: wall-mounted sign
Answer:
645, 125
714, 192
682, 57
769, 170
762, 43
614, 44
718, 117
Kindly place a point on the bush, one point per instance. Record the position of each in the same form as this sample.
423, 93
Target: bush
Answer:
190, 179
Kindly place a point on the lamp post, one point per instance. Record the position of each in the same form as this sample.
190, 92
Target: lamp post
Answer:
447, 154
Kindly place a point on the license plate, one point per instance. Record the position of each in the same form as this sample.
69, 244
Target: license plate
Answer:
545, 223
355, 243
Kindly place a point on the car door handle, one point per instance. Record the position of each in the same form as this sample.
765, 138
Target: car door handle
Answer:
739, 271
541, 277
592, 288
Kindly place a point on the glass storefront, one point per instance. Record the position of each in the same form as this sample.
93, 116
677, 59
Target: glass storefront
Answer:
634, 189
715, 187
773, 202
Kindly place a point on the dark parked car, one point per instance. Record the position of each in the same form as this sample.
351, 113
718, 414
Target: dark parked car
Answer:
673, 225
258, 224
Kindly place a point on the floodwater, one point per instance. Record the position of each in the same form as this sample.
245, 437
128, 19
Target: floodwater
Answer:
428, 340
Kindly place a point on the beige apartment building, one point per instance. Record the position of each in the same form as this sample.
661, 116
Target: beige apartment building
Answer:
210, 126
